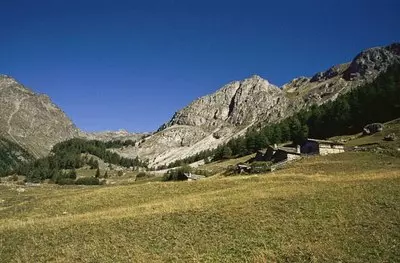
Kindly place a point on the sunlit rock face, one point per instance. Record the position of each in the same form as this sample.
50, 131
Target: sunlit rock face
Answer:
31, 120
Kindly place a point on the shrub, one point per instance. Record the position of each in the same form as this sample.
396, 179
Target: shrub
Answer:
72, 174
144, 176
97, 175
14, 177
65, 181
206, 173
177, 174
141, 175
87, 181
260, 167
231, 170
64, 178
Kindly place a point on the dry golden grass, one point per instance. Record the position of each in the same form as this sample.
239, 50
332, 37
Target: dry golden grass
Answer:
339, 208
221, 166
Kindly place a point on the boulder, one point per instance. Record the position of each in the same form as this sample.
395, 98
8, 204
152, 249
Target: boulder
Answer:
390, 137
372, 128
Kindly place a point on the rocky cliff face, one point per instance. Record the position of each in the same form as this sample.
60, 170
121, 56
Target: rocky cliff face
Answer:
230, 111
238, 103
31, 120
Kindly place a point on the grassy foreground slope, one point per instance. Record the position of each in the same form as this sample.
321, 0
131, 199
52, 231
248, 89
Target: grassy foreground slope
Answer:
326, 209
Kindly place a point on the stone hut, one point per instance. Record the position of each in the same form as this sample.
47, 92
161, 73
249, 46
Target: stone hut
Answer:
322, 147
265, 155
277, 154
286, 154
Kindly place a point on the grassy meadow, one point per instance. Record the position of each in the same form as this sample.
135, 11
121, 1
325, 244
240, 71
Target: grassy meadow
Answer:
338, 208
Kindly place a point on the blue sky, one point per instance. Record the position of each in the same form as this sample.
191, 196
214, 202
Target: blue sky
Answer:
132, 64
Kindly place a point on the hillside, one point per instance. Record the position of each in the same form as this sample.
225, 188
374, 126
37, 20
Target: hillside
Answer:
313, 211
375, 142
11, 156
229, 112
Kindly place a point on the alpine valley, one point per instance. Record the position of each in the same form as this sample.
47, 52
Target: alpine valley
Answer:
33, 124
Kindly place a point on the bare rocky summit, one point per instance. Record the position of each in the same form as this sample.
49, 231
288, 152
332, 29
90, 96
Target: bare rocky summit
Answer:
31, 120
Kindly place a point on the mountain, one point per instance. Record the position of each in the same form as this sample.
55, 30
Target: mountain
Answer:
121, 135
31, 120
214, 119
34, 123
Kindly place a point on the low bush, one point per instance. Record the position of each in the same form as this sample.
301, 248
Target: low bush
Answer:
260, 167
206, 173
87, 181
65, 181
141, 175
144, 176
177, 174
14, 177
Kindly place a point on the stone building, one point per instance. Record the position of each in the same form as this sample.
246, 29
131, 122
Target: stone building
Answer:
277, 154
322, 147
286, 154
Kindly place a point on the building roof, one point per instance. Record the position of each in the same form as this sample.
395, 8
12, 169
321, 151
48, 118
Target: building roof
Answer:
324, 141
262, 151
290, 150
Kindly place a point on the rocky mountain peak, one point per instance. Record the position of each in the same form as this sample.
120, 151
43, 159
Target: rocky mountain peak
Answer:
367, 63
7, 82
254, 79
31, 120
233, 103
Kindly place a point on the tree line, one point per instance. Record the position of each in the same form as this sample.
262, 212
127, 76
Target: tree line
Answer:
68, 155
119, 143
11, 156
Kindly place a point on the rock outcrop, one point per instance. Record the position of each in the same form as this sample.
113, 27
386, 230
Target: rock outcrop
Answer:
31, 120
372, 128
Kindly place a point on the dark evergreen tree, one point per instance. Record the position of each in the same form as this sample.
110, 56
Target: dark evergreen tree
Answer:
97, 175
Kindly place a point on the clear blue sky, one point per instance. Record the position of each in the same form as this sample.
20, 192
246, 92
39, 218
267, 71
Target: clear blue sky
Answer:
132, 64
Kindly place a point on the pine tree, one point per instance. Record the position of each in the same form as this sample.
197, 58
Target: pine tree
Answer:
226, 152
72, 174
97, 175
